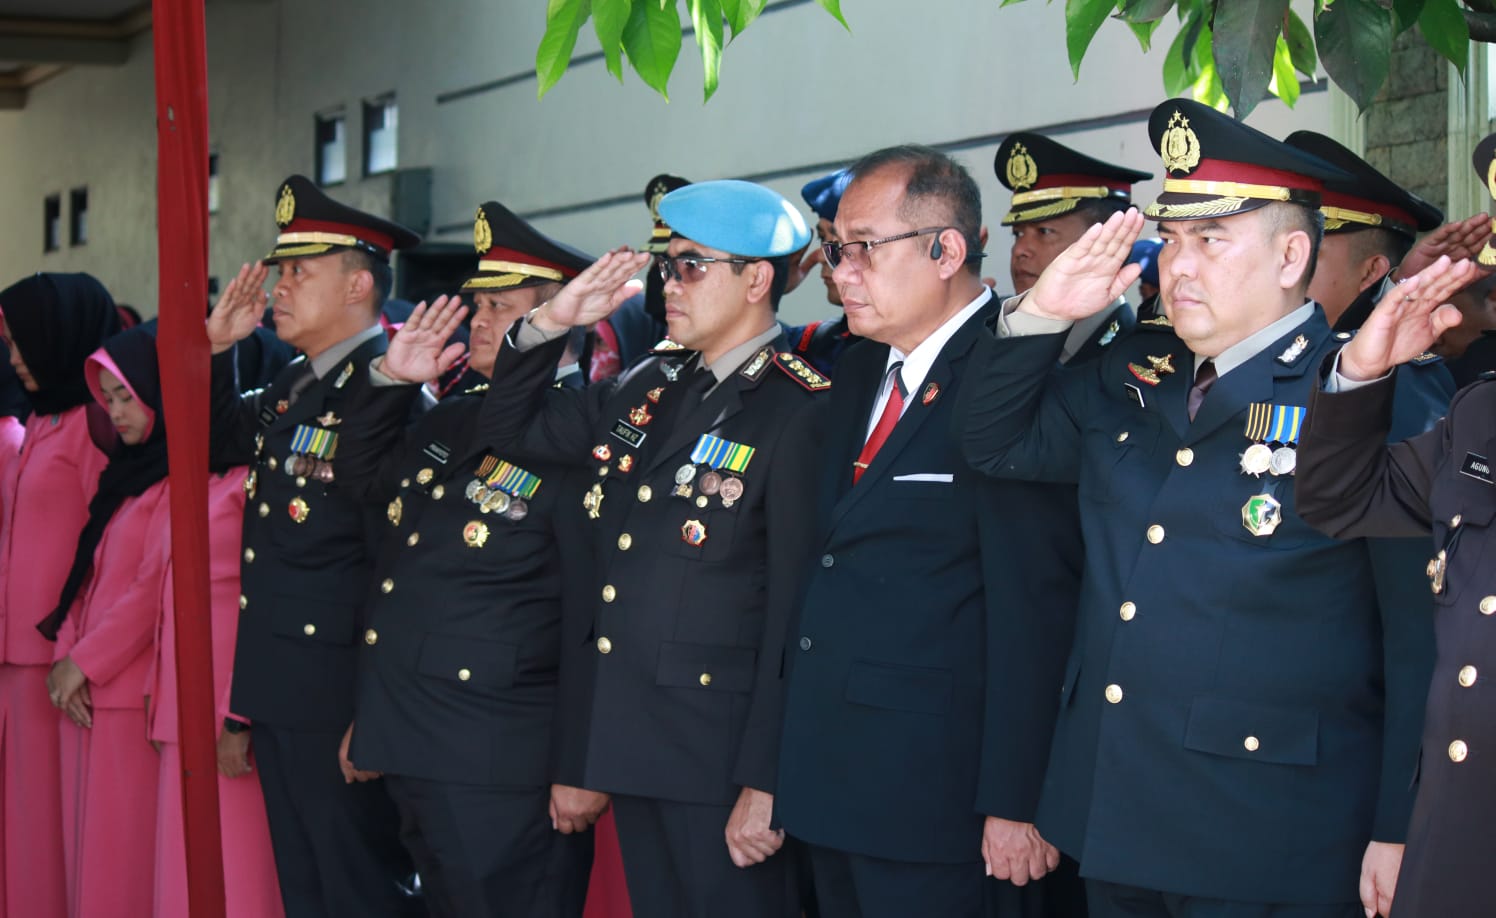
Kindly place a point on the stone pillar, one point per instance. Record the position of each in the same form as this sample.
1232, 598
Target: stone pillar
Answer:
1407, 126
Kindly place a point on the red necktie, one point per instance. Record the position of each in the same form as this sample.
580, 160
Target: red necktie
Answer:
886, 421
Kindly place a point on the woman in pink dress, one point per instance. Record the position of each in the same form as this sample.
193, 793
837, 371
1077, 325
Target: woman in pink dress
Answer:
51, 323
250, 885
110, 772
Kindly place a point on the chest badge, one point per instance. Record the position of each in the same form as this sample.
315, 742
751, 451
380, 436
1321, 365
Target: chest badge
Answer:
1261, 514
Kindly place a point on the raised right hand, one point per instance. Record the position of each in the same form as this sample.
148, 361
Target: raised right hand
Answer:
239, 307
1088, 276
1409, 318
594, 294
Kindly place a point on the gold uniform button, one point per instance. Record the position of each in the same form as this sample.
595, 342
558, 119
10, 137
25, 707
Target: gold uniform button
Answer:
1114, 693
602, 472
464, 674
438, 492
1155, 533
387, 586
371, 637
1458, 751
412, 539
1122, 437
604, 645
264, 509
308, 630
243, 601
300, 481
645, 493
1488, 605
625, 542
405, 482
249, 556
701, 501
1128, 611
1455, 522
1467, 676
1185, 456
706, 678
609, 594
1251, 744
271, 462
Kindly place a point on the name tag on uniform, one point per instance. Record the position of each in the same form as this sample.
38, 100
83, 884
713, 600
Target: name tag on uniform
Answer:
439, 451
628, 433
1477, 467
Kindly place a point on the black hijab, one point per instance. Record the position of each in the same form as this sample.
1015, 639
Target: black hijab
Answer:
57, 320
131, 470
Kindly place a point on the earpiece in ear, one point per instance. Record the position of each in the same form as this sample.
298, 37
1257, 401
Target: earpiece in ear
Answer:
937, 249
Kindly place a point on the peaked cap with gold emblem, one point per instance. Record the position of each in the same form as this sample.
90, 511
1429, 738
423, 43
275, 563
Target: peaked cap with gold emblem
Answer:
1049, 179
513, 254
658, 187
1368, 198
1484, 160
311, 223
1215, 166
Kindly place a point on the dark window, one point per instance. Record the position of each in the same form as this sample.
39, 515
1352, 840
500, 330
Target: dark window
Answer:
52, 225
332, 148
212, 183
381, 123
78, 216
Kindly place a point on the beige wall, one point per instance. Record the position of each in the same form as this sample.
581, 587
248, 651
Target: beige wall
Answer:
797, 91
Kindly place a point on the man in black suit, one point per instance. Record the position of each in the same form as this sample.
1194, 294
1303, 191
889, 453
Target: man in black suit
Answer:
459, 703
935, 625
701, 459
307, 547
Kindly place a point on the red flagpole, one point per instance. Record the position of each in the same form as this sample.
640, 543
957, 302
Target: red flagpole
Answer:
180, 40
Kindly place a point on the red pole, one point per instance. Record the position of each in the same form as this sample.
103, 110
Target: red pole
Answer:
182, 228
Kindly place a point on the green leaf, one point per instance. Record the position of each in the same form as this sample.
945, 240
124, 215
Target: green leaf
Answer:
1407, 13
1008, 3
608, 19
1191, 30
1082, 19
834, 8
1246, 34
563, 20
1144, 10
1285, 82
706, 16
651, 39
1207, 88
1179, 68
1300, 45
741, 13
1144, 33
1355, 46
1444, 28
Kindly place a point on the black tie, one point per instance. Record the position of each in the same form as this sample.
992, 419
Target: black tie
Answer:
1205, 377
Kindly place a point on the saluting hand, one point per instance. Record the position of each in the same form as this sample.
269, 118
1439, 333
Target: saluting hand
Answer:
575, 809
1016, 852
801, 264
1460, 239
749, 839
419, 352
1409, 318
594, 294
239, 307
1089, 275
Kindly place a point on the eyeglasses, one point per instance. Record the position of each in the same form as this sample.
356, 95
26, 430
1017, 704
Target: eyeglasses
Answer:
688, 269
860, 254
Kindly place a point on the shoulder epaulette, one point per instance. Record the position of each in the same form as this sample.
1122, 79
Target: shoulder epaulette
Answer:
666, 347
806, 336
801, 372
759, 363
1426, 359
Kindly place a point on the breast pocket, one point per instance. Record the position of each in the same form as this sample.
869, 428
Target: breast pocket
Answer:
1109, 448
896, 687
703, 666
468, 661
1259, 733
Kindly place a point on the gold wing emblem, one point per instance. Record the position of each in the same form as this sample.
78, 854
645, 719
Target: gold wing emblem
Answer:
1022, 170
285, 208
1180, 147
482, 233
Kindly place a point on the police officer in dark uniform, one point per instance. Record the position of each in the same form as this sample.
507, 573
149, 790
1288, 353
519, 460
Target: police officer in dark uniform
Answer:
628, 335
1059, 193
1440, 483
701, 462
458, 704
1240, 716
821, 343
307, 544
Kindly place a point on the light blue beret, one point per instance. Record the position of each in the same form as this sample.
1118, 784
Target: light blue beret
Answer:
824, 194
740, 218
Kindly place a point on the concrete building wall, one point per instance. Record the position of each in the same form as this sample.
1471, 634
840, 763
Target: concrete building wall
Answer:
799, 96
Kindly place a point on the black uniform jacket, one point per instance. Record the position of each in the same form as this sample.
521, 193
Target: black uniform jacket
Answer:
307, 542
1228, 726
933, 634
692, 593
459, 660
1439, 483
